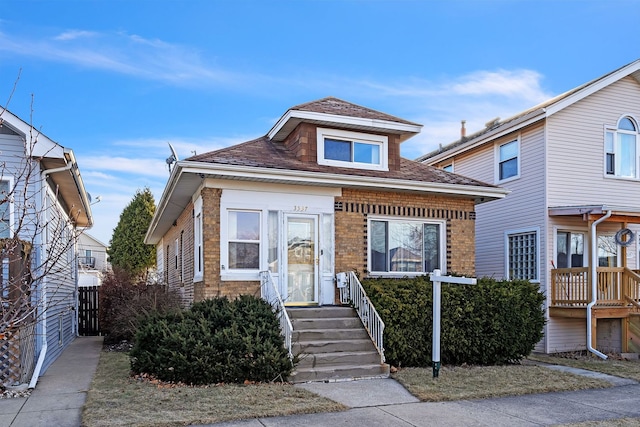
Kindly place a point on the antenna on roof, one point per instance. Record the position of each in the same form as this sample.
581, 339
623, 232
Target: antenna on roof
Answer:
172, 158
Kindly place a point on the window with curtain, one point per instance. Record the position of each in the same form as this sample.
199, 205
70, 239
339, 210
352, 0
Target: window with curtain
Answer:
569, 249
621, 149
244, 240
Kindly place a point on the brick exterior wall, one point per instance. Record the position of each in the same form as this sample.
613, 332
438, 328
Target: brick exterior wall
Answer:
179, 275
354, 207
210, 285
351, 213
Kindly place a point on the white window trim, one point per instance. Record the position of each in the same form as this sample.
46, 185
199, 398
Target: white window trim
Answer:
443, 246
379, 140
236, 274
176, 248
615, 130
497, 160
11, 195
198, 256
508, 233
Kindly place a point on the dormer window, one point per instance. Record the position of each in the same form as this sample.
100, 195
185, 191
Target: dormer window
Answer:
352, 149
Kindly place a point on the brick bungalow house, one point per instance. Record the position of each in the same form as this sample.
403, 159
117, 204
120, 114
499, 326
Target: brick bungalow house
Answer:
324, 191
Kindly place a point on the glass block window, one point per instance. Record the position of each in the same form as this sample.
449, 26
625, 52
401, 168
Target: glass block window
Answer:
523, 256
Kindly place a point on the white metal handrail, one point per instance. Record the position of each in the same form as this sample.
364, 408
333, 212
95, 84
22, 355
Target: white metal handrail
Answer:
353, 293
269, 292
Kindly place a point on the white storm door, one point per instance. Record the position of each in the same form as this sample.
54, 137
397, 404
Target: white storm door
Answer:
301, 259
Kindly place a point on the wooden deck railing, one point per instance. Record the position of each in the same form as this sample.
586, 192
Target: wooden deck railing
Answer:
617, 286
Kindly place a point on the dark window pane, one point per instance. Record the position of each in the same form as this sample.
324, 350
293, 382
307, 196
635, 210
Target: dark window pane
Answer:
431, 247
509, 168
379, 246
611, 168
337, 150
244, 256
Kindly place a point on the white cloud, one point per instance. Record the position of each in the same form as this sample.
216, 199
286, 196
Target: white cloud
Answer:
74, 34
121, 53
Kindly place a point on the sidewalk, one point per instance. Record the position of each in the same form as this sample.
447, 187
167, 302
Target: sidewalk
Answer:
60, 393
547, 409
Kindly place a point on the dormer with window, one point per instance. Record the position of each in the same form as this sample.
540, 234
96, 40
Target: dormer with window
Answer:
621, 149
336, 133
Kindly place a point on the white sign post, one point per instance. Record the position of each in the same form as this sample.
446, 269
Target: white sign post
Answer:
437, 280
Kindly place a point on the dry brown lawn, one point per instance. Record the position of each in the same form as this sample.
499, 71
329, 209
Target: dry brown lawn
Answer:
479, 382
116, 399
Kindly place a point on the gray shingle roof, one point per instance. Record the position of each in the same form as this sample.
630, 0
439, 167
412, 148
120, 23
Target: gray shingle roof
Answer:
263, 153
331, 105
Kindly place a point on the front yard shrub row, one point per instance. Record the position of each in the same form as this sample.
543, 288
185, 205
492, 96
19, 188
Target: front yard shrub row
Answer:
216, 341
493, 322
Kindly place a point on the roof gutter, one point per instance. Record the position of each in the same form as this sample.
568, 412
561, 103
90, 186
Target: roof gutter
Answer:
336, 180
594, 282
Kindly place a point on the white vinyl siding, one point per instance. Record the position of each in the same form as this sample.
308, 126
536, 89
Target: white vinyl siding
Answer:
577, 148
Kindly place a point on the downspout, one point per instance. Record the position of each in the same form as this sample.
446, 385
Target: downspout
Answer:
43, 298
594, 283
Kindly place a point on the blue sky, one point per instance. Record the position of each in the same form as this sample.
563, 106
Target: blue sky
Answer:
116, 80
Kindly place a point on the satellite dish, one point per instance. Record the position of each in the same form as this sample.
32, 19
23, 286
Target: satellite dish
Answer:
172, 158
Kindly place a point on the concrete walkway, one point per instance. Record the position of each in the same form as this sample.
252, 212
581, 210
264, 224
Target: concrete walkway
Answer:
547, 409
60, 393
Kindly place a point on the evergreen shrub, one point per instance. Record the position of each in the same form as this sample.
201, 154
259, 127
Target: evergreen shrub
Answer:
216, 341
493, 322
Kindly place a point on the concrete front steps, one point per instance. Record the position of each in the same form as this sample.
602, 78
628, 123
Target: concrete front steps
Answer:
332, 344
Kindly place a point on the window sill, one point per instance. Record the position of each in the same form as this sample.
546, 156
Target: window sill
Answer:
240, 276
398, 274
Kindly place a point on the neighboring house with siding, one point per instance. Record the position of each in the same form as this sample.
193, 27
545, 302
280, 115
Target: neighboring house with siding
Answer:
43, 203
324, 191
572, 166
92, 260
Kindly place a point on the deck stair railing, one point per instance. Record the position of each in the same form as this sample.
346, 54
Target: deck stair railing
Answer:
617, 286
269, 292
353, 293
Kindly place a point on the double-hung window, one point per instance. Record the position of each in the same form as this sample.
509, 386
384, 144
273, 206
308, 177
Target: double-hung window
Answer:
522, 255
621, 149
352, 149
405, 246
244, 239
508, 160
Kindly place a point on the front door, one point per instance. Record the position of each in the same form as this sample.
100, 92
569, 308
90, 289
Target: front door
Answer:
301, 260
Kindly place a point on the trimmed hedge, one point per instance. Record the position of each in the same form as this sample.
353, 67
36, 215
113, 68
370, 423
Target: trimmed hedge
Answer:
216, 341
493, 322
